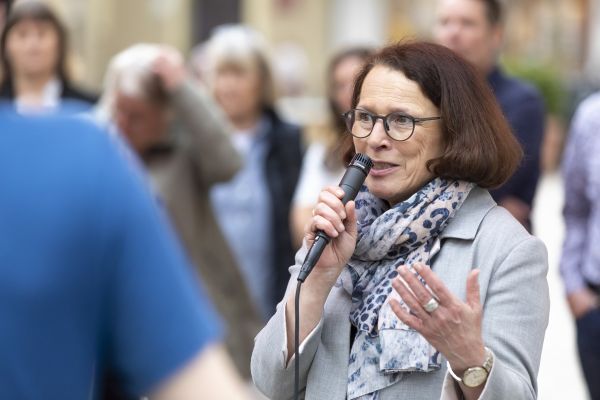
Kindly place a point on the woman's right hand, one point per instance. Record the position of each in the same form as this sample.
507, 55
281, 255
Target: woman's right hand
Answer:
339, 223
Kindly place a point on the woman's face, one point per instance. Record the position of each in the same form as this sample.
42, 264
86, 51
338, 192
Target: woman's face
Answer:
400, 168
238, 91
32, 47
343, 82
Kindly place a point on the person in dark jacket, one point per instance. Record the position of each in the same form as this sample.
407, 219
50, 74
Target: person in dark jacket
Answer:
473, 29
33, 50
253, 208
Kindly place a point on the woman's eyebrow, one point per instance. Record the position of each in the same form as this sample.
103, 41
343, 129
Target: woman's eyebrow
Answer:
390, 110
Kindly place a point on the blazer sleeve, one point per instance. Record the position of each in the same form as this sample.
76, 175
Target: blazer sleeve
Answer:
207, 138
515, 317
270, 371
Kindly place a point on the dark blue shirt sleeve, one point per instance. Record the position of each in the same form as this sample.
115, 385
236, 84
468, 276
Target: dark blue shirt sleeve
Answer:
527, 119
157, 318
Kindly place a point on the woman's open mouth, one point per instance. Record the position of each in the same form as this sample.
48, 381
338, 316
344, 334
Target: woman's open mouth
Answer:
381, 168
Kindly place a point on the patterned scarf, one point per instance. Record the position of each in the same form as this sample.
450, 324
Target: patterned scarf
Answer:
384, 347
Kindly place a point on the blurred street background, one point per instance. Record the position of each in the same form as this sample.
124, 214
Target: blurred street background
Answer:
552, 42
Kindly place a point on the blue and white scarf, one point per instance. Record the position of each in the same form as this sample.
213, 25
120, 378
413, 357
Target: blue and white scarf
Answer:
384, 347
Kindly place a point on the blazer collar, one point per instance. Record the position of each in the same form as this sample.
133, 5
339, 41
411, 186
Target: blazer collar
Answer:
466, 222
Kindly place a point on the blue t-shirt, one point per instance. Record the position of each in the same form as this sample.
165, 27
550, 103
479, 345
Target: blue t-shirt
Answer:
91, 276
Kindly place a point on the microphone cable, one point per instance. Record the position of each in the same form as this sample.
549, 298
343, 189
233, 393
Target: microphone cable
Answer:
351, 182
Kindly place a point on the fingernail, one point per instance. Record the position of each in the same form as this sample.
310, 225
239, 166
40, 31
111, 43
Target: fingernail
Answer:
342, 227
401, 269
418, 267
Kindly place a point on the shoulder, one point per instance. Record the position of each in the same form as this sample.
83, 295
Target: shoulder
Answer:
589, 109
285, 139
57, 130
490, 230
76, 93
524, 92
499, 222
500, 235
283, 128
515, 93
67, 146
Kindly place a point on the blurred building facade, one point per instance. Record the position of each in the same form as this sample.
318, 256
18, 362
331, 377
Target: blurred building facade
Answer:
554, 32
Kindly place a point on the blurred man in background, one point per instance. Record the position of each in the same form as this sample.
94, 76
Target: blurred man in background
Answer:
473, 29
92, 279
178, 132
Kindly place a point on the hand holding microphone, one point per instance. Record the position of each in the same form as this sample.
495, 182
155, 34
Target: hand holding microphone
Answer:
334, 220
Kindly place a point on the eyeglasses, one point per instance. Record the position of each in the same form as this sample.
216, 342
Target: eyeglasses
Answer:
397, 125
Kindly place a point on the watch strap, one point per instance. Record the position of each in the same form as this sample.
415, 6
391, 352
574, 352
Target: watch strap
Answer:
487, 365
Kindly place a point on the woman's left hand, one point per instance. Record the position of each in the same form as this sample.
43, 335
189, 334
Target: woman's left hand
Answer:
454, 327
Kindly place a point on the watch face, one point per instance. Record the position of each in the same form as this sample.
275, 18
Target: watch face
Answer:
475, 376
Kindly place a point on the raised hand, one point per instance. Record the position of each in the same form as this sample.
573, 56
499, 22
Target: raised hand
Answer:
339, 223
453, 327
169, 68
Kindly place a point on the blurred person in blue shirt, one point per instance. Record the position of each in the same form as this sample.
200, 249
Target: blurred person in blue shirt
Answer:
91, 277
33, 55
474, 29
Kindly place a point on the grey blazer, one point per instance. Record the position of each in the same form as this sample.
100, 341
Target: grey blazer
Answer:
514, 294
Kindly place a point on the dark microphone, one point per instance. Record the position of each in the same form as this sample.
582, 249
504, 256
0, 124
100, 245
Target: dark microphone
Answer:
353, 178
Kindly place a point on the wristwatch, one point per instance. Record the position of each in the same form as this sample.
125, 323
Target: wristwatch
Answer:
475, 376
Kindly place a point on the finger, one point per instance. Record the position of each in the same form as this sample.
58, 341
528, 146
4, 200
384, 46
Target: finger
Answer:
323, 210
338, 191
420, 291
405, 316
473, 289
410, 300
350, 222
320, 223
435, 284
333, 201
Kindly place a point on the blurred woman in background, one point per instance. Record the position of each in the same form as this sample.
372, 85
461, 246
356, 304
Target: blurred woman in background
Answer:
323, 165
253, 208
33, 51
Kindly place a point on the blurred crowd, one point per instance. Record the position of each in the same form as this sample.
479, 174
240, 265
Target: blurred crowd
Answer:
239, 182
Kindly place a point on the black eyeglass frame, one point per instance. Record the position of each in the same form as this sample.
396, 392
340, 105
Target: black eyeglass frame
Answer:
349, 120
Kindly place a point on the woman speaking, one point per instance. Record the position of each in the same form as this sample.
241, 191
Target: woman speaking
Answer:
428, 289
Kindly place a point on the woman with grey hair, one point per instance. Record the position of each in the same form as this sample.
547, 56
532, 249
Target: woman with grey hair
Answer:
184, 142
253, 208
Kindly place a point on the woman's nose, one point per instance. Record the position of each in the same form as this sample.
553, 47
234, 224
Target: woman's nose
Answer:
378, 136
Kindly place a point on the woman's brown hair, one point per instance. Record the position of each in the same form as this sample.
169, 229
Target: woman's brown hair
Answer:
36, 11
479, 145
